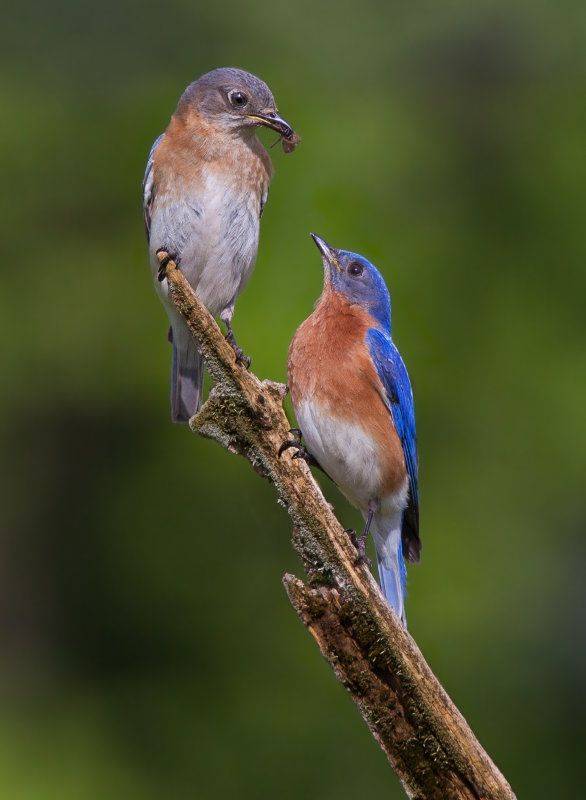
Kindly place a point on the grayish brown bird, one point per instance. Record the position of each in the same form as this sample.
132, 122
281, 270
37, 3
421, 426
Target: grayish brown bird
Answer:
205, 188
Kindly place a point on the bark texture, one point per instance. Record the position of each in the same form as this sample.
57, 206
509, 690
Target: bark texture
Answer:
426, 739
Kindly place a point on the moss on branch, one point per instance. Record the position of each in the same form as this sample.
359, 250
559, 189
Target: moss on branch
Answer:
425, 738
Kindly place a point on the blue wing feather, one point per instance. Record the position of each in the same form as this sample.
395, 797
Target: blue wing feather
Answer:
399, 401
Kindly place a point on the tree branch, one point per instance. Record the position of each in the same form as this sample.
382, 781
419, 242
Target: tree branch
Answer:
426, 739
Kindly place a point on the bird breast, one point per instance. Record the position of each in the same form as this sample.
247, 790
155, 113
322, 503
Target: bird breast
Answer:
208, 212
339, 403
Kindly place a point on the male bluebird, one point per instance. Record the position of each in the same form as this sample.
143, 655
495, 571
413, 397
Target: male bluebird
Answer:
205, 188
352, 398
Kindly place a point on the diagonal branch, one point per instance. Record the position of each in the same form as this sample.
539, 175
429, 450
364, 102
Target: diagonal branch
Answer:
426, 739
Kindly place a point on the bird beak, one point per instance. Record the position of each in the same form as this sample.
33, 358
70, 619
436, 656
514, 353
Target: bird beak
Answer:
328, 253
272, 120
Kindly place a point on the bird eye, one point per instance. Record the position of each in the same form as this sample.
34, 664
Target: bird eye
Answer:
238, 99
355, 269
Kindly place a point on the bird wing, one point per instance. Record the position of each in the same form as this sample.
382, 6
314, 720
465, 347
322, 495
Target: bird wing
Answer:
147, 185
263, 199
399, 400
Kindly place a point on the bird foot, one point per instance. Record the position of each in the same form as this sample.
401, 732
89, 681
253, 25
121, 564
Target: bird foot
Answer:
241, 359
165, 256
301, 450
360, 545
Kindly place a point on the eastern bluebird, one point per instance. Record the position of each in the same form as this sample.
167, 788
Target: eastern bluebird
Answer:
205, 188
352, 398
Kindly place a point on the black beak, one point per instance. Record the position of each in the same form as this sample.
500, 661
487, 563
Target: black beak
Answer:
328, 253
275, 122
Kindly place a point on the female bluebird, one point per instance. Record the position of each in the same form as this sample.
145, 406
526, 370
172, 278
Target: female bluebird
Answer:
352, 398
205, 187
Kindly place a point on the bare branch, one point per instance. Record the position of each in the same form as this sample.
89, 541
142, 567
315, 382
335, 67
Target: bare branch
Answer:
426, 739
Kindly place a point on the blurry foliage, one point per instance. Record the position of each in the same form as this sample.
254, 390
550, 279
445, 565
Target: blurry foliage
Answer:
446, 144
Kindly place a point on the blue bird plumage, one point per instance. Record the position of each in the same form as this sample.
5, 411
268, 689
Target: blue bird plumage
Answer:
352, 397
393, 374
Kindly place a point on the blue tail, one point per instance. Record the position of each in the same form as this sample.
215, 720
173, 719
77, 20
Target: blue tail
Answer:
386, 532
392, 583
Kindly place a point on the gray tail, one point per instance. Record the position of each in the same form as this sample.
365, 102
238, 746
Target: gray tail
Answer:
186, 380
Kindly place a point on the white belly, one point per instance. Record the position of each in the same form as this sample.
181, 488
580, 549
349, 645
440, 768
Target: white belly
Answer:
216, 237
350, 456
345, 450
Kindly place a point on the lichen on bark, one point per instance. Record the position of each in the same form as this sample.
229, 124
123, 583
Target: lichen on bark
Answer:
426, 739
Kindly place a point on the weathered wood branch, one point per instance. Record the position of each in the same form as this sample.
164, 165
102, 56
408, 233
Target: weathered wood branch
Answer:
426, 739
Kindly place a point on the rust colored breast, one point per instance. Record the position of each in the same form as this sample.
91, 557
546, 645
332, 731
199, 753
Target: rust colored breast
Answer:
329, 364
193, 150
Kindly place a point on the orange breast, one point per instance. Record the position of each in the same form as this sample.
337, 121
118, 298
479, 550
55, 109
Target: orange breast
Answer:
329, 364
193, 149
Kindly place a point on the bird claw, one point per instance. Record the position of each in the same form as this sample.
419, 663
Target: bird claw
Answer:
301, 451
360, 545
241, 359
165, 256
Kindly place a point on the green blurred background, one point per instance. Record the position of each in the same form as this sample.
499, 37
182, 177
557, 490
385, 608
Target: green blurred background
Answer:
147, 648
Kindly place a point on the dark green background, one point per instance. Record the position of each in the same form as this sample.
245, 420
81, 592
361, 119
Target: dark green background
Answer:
147, 648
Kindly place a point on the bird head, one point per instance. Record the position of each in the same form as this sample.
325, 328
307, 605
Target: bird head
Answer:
357, 280
234, 100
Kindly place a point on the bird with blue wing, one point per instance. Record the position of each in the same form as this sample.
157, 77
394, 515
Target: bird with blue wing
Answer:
353, 401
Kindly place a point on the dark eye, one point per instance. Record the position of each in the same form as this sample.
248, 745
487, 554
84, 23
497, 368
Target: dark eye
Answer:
238, 99
355, 269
